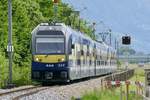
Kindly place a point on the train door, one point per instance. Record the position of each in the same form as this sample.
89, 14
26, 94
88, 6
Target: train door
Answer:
79, 57
71, 58
74, 58
107, 61
100, 61
82, 58
94, 56
88, 59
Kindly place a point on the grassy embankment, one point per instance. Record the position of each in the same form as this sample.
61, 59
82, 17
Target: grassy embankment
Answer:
115, 93
21, 75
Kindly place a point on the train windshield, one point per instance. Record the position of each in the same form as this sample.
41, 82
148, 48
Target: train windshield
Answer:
50, 46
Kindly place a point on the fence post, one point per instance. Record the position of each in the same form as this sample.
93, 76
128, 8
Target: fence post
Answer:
120, 92
127, 90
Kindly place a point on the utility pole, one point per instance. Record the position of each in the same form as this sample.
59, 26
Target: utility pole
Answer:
93, 28
75, 14
117, 49
109, 36
10, 46
79, 27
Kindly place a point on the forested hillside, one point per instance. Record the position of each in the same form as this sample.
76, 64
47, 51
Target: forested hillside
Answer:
26, 15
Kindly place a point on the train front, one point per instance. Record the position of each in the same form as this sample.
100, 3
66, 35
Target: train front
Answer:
49, 62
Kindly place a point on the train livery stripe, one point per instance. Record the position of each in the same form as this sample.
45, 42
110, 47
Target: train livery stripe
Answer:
50, 58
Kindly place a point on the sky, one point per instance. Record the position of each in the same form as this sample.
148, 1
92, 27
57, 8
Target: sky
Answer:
130, 17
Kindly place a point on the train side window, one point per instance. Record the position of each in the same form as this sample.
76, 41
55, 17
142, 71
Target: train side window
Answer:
83, 61
78, 58
69, 46
78, 62
110, 62
82, 52
72, 46
90, 62
70, 63
101, 62
98, 63
88, 52
105, 62
93, 54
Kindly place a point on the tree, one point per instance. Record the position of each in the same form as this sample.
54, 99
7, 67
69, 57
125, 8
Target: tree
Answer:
27, 14
124, 50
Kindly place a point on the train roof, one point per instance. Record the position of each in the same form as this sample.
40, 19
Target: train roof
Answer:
62, 27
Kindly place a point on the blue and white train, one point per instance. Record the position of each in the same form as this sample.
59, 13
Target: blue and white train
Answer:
61, 54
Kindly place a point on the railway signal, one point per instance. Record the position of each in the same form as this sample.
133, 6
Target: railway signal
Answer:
126, 40
55, 9
55, 1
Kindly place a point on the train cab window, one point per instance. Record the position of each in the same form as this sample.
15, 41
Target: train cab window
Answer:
50, 45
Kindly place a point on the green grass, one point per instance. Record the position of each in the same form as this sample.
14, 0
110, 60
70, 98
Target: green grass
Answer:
101, 95
113, 94
139, 75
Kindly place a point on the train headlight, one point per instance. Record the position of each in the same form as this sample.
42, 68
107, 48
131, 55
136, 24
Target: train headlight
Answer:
62, 59
37, 59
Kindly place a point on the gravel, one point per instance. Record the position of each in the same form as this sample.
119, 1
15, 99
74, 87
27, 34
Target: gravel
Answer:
61, 92
66, 92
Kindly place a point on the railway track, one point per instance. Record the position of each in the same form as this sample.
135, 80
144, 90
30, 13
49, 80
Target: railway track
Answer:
16, 94
60, 92
29, 93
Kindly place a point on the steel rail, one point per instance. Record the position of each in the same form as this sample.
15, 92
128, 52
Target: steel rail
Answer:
18, 90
